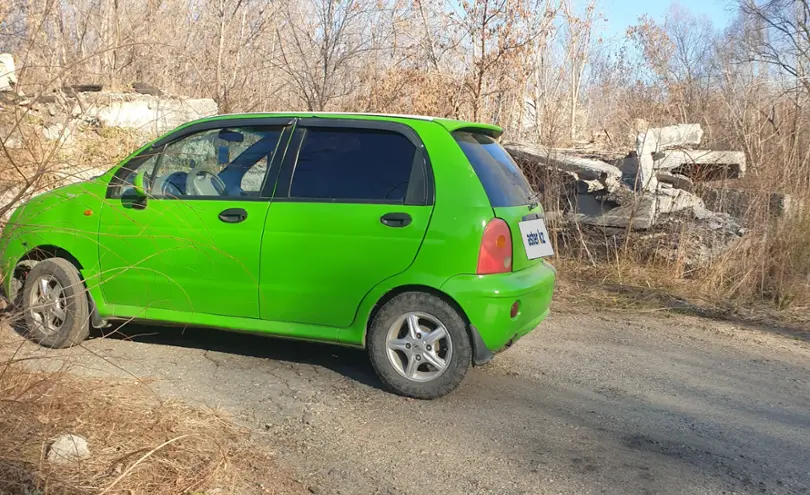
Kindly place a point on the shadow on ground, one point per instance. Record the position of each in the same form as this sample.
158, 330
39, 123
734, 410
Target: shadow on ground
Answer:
349, 362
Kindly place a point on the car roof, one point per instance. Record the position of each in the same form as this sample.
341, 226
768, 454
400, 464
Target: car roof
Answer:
449, 124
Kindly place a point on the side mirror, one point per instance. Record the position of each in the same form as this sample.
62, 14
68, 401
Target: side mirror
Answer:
138, 185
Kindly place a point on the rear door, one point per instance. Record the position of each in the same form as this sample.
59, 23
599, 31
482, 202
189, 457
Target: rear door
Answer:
352, 204
510, 195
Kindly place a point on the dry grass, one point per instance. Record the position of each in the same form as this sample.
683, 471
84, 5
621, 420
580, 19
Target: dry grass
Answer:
138, 444
642, 288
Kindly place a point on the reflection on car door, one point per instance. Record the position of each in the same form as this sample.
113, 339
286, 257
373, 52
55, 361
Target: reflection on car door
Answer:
350, 212
193, 244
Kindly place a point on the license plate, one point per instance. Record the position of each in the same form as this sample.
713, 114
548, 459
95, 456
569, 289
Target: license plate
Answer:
535, 239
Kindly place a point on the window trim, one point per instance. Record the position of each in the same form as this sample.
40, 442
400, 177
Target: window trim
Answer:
159, 147
208, 125
421, 158
123, 170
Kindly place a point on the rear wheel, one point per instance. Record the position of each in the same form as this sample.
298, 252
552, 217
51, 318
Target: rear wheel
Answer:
419, 346
55, 303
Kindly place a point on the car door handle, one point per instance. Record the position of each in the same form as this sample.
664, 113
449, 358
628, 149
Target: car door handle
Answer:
233, 215
396, 219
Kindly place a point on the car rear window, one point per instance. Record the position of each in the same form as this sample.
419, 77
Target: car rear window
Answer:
353, 164
501, 177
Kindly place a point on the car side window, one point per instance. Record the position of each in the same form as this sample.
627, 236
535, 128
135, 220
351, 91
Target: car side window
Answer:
345, 165
227, 162
122, 183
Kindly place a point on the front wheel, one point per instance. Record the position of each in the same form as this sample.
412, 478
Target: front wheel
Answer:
419, 346
55, 301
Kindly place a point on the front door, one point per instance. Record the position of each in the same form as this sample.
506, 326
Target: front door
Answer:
192, 246
351, 209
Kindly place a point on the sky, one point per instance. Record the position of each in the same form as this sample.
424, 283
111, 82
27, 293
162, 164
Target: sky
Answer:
624, 13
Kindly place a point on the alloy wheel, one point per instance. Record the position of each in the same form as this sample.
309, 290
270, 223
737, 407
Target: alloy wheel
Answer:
48, 305
419, 346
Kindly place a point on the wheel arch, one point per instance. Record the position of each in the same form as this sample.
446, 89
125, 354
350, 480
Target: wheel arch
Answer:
44, 252
35, 255
414, 288
480, 353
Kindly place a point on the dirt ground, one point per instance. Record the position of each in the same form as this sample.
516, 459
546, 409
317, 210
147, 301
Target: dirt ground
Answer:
596, 402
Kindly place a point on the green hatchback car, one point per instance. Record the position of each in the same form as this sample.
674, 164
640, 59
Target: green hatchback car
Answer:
416, 238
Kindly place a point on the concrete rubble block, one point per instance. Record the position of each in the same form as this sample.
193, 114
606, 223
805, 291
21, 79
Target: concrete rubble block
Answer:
621, 196
672, 200
638, 214
149, 113
676, 180
739, 202
68, 448
11, 138
694, 243
590, 206
65, 133
697, 163
8, 72
585, 169
589, 186
676, 136
654, 140
646, 145
56, 130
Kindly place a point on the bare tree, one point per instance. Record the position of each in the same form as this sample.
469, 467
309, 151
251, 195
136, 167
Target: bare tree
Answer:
318, 44
579, 31
782, 37
495, 33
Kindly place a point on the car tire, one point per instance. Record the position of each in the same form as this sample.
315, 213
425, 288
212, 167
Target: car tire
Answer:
409, 362
57, 313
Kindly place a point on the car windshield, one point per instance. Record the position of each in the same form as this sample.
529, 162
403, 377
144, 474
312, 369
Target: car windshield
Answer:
501, 177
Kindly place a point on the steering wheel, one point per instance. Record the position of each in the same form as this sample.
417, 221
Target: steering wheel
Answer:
204, 181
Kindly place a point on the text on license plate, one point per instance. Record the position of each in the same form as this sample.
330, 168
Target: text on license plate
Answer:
535, 238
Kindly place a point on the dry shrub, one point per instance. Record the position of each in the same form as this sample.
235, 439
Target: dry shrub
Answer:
138, 444
412, 91
773, 262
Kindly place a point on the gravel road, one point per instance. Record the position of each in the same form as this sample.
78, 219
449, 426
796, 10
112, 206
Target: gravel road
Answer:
589, 403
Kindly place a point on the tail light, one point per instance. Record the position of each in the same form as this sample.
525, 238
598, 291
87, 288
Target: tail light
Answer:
495, 255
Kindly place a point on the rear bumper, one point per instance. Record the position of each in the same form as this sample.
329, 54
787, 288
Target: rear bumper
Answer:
487, 300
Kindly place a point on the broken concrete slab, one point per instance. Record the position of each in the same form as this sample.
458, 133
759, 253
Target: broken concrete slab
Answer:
676, 180
589, 205
584, 168
148, 113
11, 137
8, 73
671, 200
639, 211
589, 186
646, 146
675, 136
652, 141
639, 214
692, 243
738, 202
704, 164
56, 131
